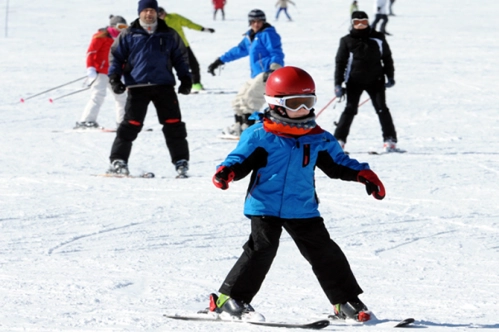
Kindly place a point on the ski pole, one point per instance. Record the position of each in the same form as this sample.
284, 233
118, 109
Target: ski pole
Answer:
79, 79
365, 101
68, 94
322, 110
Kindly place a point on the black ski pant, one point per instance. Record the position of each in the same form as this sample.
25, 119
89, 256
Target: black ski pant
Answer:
328, 262
384, 19
376, 91
165, 101
194, 65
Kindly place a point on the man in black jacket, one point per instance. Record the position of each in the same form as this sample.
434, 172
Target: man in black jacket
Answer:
362, 62
145, 54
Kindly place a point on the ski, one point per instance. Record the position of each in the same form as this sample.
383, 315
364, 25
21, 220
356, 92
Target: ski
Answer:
374, 152
405, 322
374, 321
317, 325
92, 130
212, 92
146, 175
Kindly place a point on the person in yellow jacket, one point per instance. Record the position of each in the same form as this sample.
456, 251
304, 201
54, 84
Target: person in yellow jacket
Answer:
177, 22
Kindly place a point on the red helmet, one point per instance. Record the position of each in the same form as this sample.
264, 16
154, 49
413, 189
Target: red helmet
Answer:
288, 81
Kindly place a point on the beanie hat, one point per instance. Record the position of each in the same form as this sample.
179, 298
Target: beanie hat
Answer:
114, 20
359, 14
143, 4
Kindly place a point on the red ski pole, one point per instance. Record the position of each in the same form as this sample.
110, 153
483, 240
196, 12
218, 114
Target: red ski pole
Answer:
365, 101
327, 105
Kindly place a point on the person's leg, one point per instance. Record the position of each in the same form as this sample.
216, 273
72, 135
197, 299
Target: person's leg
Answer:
328, 261
353, 93
194, 65
384, 19
119, 105
377, 18
378, 97
174, 130
97, 96
246, 277
277, 14
135, 112
253, 99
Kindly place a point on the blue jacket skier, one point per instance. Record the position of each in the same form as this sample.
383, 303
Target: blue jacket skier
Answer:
282, 153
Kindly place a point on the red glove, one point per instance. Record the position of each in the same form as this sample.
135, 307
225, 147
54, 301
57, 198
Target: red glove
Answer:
222, 177
373, 184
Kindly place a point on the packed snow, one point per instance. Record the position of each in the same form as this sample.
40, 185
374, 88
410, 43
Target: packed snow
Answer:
86, 253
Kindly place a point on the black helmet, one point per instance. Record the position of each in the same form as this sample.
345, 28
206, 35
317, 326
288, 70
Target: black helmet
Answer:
256, 14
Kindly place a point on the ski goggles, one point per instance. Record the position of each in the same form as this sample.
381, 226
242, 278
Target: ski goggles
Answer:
121, 26
363, 21
293, 103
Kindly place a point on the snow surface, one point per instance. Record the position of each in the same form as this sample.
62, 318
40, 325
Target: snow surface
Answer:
83, 253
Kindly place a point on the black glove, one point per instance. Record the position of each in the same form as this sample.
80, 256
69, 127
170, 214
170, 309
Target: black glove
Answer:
390, 83
214, 65
185, 85
222, 177
210, 30
116, 84
266, 75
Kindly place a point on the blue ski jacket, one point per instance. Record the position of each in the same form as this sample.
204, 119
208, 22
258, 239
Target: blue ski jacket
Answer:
263, 50
144, 58
283, 170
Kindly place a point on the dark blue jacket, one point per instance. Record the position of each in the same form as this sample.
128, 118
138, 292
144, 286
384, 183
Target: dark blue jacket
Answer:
283, 170
144, 58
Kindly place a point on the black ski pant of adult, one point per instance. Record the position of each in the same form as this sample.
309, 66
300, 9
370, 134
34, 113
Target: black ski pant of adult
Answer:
328, 262
384, 19
376, 91
194, 65
165, 101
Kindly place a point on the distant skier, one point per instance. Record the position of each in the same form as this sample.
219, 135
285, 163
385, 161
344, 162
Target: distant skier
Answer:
363, 60
390, 8
219, 5
283, 6
354, 7
97, 80
282, 153
381, 11
263, 45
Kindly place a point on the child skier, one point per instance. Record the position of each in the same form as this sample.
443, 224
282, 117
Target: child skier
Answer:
282, 153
